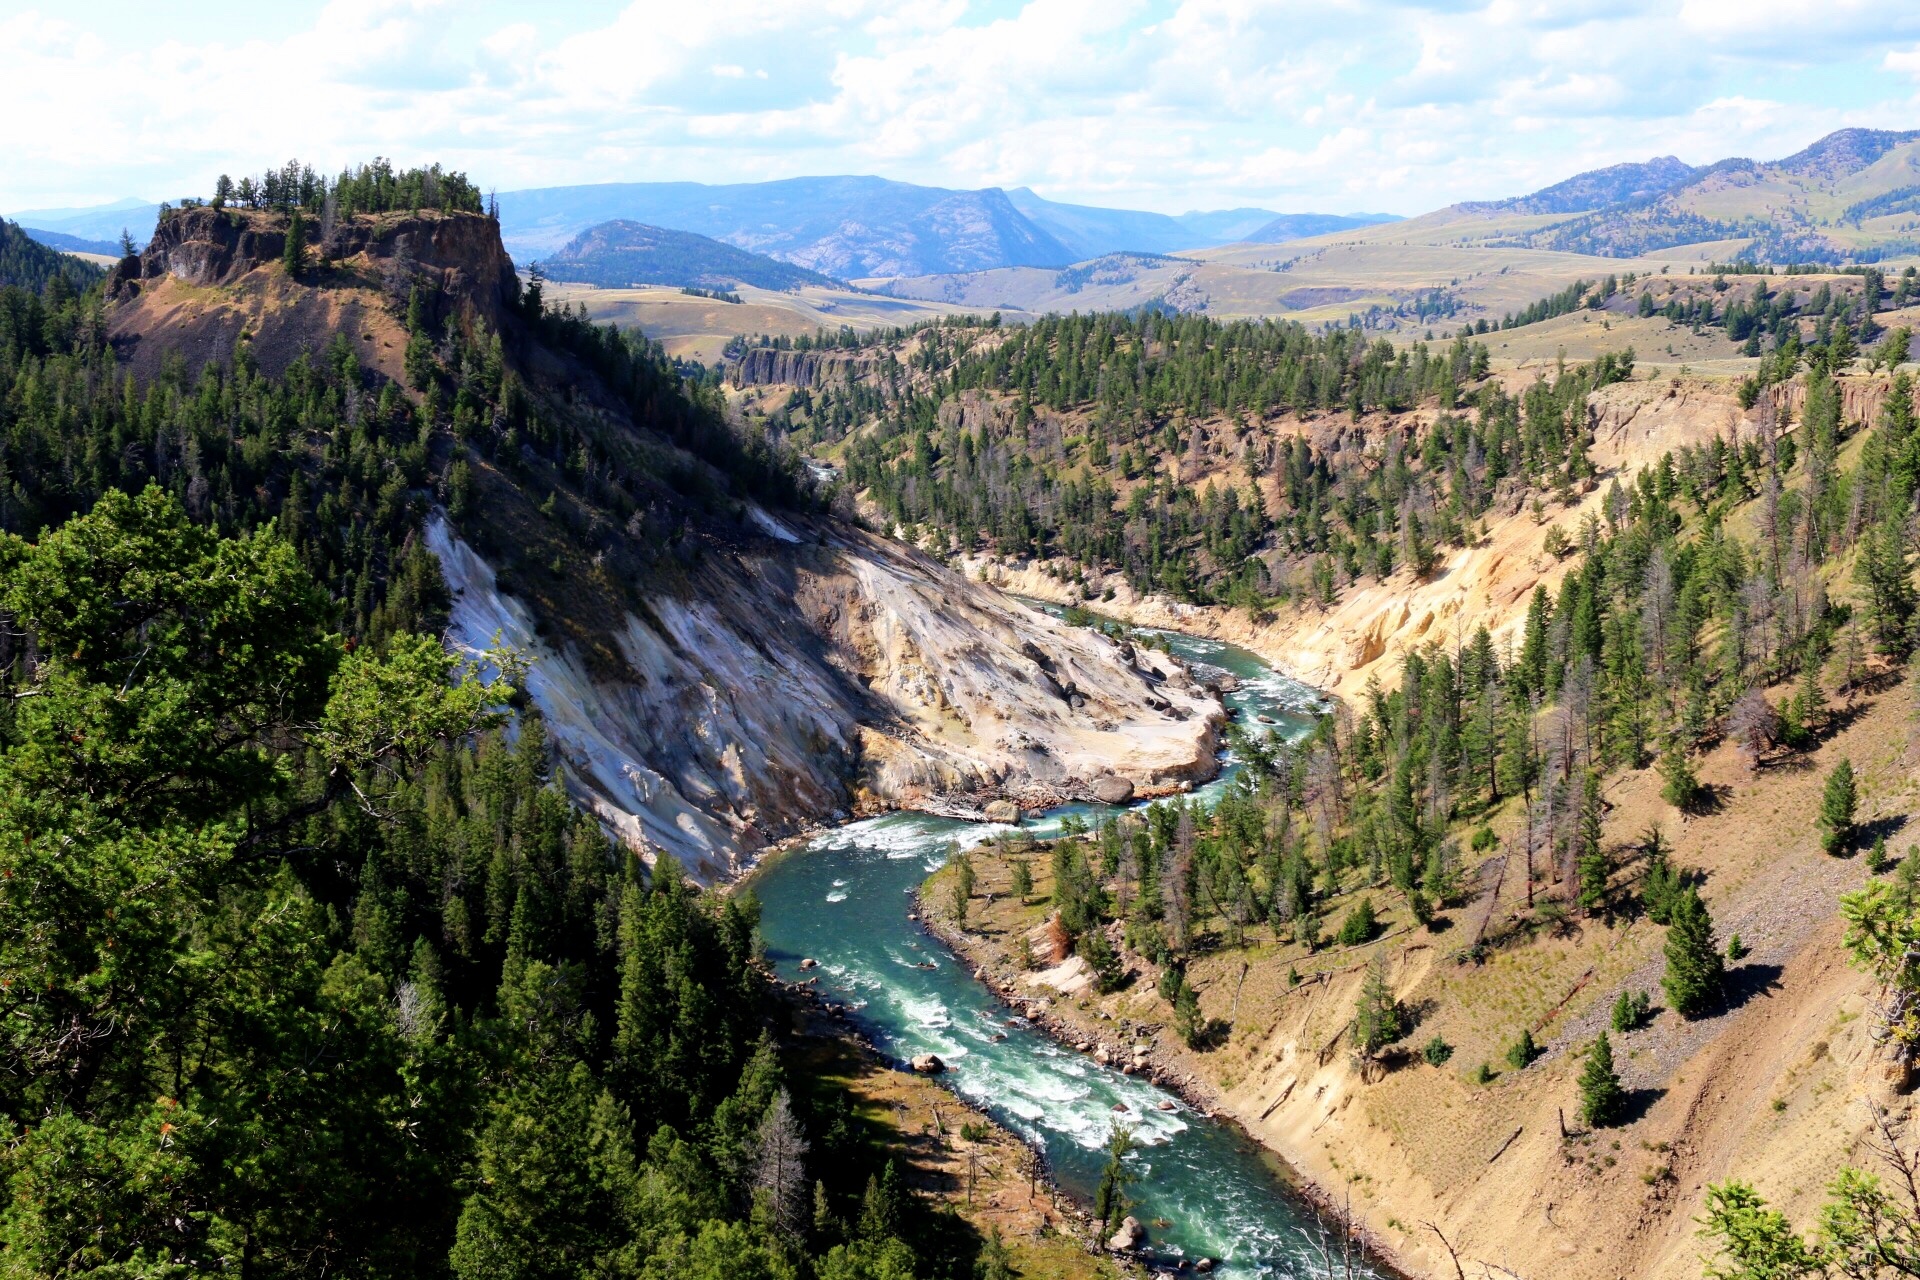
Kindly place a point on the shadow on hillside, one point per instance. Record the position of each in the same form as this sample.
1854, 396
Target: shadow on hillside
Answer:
1881, 828
1842, 717
1638, 1102
1710, 798
1878, 681
1746, 981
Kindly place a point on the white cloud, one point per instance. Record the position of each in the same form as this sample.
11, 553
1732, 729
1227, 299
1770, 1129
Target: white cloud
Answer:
1399, 104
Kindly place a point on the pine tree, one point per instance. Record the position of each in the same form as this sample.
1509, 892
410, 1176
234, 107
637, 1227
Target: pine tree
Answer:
779, 1171
1663, 881
1592, 865
294, 256
1630, 1010
1695, 970
882, 1204
1679, 786
1522, 1052
1110, 1201
1360, 925
996, 1262
1188, 1023
963, 883
1836, 808
1022, 879
1805, 708
1601, 1097
1377, 1021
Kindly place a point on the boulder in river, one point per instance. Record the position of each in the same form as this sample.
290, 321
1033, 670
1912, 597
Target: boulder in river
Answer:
1128, 1237
1111, 788
1002, 811
928, 1064
809, 963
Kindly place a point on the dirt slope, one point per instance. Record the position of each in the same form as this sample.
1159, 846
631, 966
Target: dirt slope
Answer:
1769, 1090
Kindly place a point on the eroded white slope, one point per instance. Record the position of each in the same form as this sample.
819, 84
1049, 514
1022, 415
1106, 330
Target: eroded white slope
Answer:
815, 676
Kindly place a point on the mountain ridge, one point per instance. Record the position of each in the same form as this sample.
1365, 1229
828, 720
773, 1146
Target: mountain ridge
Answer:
623, 252
867, 226
1810, 206
845, 227
100, 223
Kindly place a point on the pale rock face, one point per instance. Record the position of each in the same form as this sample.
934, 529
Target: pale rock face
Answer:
848, 673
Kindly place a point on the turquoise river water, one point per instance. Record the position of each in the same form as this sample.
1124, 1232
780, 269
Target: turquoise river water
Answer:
844, 900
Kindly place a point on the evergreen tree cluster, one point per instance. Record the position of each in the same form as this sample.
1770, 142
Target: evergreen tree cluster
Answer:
312, 970
1085, 413
347, 461
369, 188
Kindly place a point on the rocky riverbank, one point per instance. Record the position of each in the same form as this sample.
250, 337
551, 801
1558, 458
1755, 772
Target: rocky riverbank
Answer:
947, 1142
1146, 1049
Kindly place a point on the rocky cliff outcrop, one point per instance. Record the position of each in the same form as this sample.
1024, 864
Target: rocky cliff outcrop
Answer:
211, 279
457, 256
1861, 399
827, 671
769, 366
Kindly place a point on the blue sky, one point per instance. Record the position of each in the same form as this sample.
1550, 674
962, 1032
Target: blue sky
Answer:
1164, 104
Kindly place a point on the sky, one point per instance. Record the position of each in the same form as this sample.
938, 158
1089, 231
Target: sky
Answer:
1172, 105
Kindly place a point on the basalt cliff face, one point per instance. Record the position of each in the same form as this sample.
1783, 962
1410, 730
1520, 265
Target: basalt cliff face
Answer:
207, 283
768, 366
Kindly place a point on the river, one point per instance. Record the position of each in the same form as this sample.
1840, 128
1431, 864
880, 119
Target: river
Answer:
844, 901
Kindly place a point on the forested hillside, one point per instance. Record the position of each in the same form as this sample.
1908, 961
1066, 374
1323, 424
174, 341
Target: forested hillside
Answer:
309, 968
27, 264
1130, 443
1745, 589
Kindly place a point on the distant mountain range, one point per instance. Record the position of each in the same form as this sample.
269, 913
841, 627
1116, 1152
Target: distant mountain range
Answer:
841, 227
1090, 232
620, 253
871, 227
65, 243
1852, 196
94, 229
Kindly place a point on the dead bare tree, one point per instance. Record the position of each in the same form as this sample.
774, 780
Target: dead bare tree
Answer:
1459, 1273
1754, 726
779, 1171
